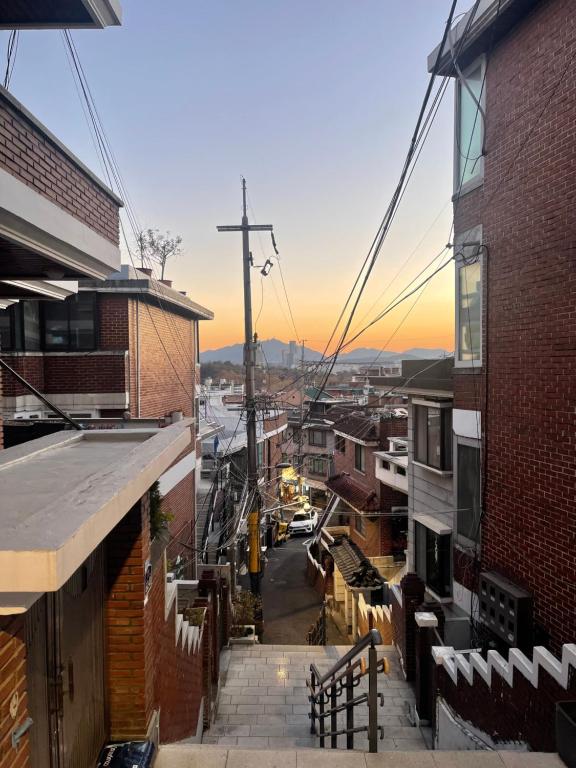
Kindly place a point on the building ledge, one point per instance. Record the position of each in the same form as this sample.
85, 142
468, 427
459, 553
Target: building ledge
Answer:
67, 491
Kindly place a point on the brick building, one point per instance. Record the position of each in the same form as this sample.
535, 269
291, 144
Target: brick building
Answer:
127, 343
367, 497
97, 642
513, 530
514, 417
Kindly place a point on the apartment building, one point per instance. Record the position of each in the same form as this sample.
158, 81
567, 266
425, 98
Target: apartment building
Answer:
513, 462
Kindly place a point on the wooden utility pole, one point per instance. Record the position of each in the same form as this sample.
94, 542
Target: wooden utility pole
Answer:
254, 563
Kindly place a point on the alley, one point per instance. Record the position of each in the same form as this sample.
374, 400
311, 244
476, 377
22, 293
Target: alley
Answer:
290, 605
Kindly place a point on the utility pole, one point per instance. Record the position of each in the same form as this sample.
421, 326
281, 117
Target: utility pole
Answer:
254, 563
301, 435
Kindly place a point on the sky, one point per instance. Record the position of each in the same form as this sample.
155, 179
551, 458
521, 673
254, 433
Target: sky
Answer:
314, 102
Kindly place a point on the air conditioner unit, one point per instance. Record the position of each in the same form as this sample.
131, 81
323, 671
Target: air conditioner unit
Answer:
506, 609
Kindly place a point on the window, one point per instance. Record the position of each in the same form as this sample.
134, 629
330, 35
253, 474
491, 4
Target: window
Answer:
433, 436
469, 305
359, 458
469, 165
317, 437
317, 466
432, 559
70, 325
468, 489
360, 524
340, 444
260, 454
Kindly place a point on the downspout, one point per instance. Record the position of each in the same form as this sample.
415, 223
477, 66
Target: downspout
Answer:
138, 357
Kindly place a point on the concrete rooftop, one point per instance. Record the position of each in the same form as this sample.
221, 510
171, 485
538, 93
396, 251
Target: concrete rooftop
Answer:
62, 494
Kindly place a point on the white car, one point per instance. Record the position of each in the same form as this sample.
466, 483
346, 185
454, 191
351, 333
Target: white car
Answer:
303, 521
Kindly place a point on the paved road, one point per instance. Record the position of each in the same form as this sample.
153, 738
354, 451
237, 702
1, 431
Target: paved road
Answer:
290, 605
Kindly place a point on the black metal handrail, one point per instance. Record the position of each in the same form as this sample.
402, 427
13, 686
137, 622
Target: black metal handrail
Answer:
344, 677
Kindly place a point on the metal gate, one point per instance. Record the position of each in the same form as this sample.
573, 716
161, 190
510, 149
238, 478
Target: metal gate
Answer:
69, 718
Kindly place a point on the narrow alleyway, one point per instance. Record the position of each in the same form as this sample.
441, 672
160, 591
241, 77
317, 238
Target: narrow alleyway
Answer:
290, 605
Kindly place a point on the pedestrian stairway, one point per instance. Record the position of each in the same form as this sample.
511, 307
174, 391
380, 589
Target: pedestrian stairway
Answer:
177, 756
263, 702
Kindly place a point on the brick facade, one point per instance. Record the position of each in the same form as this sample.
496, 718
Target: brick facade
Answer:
377, 536
167, 366
147, 670
28, 154
527, 215
13, 691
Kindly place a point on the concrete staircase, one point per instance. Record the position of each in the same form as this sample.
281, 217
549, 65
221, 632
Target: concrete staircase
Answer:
263, 702
262, 721
175, 756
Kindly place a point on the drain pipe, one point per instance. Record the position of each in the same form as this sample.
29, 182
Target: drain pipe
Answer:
39, 395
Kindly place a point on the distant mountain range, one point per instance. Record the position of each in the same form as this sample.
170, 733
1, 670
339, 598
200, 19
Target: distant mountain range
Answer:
273, 348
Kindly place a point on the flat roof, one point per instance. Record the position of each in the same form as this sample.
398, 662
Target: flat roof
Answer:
130, 280
61, 495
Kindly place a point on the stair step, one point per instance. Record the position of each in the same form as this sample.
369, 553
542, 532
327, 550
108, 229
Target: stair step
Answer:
201, 756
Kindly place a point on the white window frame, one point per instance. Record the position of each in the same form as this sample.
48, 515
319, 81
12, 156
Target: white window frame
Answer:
459, 538
473, 235
478, 179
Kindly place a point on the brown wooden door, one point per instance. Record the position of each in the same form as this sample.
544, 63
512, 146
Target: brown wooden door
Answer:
80, 655
38, 683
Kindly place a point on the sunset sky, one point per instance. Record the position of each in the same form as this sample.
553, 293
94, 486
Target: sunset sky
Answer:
314, 102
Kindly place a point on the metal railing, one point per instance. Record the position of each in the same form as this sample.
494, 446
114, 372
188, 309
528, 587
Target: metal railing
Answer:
341, 680
317, 632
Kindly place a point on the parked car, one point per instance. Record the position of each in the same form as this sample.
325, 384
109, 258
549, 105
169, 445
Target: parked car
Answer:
304, 521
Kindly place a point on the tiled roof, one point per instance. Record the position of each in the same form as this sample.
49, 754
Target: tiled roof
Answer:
358, 426
357, 571
353, 494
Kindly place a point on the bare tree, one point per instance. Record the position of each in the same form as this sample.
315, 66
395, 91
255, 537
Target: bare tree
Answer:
154, 246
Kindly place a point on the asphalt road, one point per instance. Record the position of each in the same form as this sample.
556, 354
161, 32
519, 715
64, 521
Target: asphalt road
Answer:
290, 606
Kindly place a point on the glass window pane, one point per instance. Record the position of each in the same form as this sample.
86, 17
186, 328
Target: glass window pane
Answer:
55, 325
447, 439
434, 444
420, 550
31, 320
420, 429
470, 127
6, 329
468, 485
469, 311
82, 321
359, 457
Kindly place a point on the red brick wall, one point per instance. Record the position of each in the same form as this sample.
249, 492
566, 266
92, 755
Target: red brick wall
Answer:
113, 322
509, 713
12, 681
147, 670
129, 666
528, 217
29, 155
177, 674
167, 367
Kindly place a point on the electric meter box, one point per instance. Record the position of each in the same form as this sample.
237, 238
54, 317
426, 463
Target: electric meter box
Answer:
506, 609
